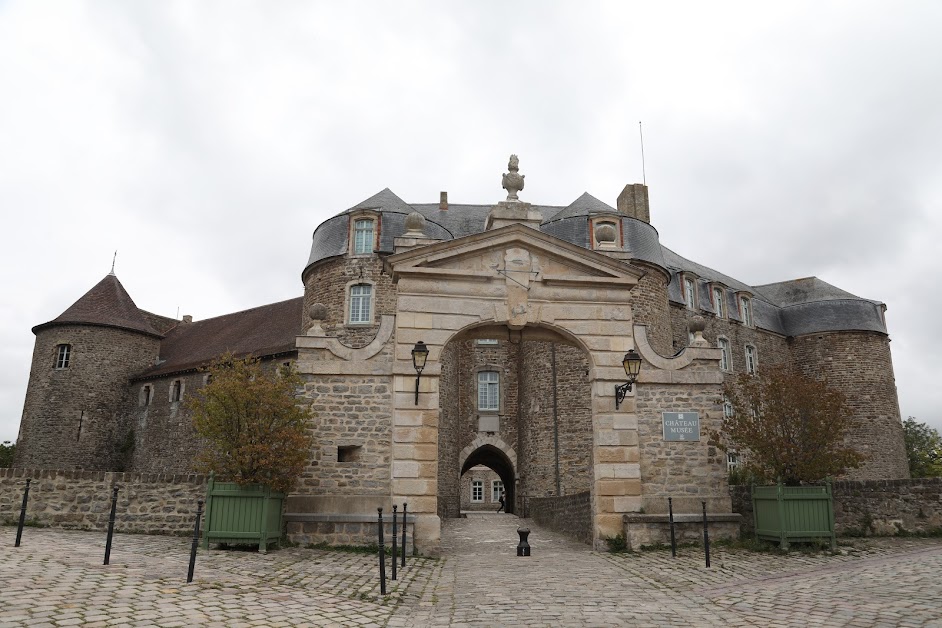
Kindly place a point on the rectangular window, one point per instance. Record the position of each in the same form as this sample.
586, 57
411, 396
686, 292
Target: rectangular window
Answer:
360, 297
362, 237
487, 341
497, 487
751, 365
176, 390
63, 354
723, 344
719, 302
745, 311
477, 491
732, 460
146, 395
727, 410
488, 391
690, 294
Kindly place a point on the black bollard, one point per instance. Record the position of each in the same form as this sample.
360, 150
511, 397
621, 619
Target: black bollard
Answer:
404, 504
196, 540
394, 537
114, 507
706, 537
382, 556
670, 517
19, 528
523, 548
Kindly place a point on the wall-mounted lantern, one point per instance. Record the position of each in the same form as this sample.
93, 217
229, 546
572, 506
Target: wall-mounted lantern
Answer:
419, 356
632, 364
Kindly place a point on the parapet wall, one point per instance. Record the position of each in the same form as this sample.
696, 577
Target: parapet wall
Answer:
569, 514
147, 503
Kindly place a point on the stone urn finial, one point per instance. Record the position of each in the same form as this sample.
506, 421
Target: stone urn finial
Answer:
415, 225
696, 325
605, 235
513, 180
318, 313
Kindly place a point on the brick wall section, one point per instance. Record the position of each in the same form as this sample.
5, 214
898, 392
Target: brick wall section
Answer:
875, 507
349, 411
689, 472
150, 503
649, 307
859, 365
77, 417
574, 419
569, 514
327, 282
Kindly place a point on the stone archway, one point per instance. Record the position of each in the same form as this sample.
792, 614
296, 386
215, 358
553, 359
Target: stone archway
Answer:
496, 459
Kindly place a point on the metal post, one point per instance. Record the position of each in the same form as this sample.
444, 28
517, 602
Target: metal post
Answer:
19, 528
523, 548
394, 537
706, 537
404, 505
114, 506
670, 516
382, 556
196, 540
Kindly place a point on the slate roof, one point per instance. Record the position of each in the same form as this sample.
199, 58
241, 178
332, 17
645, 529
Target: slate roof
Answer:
108, 305
261, 331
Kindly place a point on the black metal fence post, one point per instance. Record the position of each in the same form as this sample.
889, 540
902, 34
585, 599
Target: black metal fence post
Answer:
114, 507
404, 505
395, 535
19, 528
382, 555
670, 516
523, 547
706, 536
196, 540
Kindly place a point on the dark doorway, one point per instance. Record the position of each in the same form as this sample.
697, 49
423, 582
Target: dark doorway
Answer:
494, 459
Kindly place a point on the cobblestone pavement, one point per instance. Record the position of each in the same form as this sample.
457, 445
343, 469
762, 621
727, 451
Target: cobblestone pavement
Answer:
56, 579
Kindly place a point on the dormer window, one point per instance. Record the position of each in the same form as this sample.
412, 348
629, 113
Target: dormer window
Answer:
719, 301
605, 234
63, 356
690, 292
745, 311
363, 236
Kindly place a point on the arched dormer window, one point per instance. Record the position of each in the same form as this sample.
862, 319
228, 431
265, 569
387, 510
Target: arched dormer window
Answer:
688, 285
63, 356
745, 310
718, 296
363, 232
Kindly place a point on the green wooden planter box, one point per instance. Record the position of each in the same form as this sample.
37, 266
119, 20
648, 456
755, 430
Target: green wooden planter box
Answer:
242, 515
793, 513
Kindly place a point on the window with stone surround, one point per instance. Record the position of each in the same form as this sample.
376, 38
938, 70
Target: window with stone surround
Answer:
176, 390
63, 356
488, 391
477, 491
752, 364
732, 460
364, 236
690, 292
147, 394
726, 363
745, 311
361, 304
719, 301
497, 487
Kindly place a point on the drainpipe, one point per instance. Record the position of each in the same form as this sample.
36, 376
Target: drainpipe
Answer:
555, 417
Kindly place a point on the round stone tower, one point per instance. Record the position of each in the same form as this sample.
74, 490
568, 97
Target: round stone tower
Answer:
78, 399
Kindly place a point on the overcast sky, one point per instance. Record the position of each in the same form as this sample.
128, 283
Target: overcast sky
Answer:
206, 140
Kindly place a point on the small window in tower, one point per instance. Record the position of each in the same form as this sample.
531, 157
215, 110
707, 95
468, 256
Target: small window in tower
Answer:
361, 297
63, 356
176, 390
147, 393
363, 236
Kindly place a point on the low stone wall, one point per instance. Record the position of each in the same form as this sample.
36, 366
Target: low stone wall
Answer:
346, 529
870, 507
147, 503
647, 530
569, 514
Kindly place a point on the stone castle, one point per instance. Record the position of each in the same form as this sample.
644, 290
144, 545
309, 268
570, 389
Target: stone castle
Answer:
526, 312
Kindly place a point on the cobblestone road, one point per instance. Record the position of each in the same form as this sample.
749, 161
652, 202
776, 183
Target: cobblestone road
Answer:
56, 579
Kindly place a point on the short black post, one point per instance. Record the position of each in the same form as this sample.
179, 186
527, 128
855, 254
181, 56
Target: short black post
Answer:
523, 548
19, 528
404, 504
382, 555
706, 537
670, 518
395, 536
196, 540
114, 507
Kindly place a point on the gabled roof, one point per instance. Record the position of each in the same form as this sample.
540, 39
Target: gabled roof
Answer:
107, 304
585, 205
385, 200
261, 331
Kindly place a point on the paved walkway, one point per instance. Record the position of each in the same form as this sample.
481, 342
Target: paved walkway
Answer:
56, 579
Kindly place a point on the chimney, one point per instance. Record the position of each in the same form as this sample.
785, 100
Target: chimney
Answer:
443, 201
633, 202
187, 318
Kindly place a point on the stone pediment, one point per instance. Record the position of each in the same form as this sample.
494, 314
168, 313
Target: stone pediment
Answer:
516, 252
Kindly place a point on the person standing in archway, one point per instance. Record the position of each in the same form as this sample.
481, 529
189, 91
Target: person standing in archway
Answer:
501, 500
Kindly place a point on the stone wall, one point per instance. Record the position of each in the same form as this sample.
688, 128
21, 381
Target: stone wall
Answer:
148, 503
357, 530
449, 501
649, 306
569, 514
487, 478
871, 507
164, 439
78, 417
859, 365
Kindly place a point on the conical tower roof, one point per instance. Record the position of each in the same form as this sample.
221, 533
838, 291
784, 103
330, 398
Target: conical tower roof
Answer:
107, 304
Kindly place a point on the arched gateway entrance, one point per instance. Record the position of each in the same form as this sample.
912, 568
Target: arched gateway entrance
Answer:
556, 311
